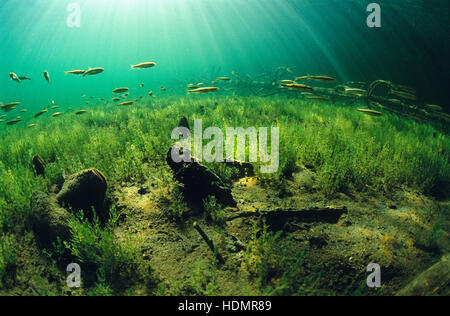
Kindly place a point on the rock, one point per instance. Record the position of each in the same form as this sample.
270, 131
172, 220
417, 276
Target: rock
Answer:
199, 181
49, 219
39, 165
83, 191
430, 282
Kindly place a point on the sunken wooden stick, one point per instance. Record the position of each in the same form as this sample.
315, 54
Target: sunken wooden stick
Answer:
208, 241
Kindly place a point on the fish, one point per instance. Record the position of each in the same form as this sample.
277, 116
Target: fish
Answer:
54, 107
93, 71
204, 90
116, 99
355, 91
287, 81
31, 125
83, 96
2, 116
24, 78
126, 103
75, 72
9, 106
318, 98
14, 121
317, 78
404, 95
57, 114
192, 86
163, 88
121, 90
23, 110
150, 93
40, 113
143, 65
370, 112
47, 76
142, 85
405, 89
214, 82
434, 107
396, 101
223, 78
307, 94
80, 112
200, 84
14, 77
297, 86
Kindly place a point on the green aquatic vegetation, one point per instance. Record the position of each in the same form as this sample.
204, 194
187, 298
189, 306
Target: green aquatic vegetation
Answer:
98, 248
203, 281
101, 288
214, 210
429, 239
178, 208
16, 188
277, 263
348, 150
262, 256
294, 279
8, 259
226, 173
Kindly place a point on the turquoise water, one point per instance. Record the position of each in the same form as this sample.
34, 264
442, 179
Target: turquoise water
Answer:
197, 40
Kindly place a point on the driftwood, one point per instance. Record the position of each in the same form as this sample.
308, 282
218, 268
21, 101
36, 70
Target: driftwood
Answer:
278, 217
430, 282
198, 180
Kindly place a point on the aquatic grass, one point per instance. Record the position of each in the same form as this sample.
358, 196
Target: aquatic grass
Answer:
348, 149
214, 210
8, 259
262, 256
115, 262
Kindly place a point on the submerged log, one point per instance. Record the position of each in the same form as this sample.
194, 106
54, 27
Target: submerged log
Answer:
208, 241
430, 282
184, 122
199, 181
277, 218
